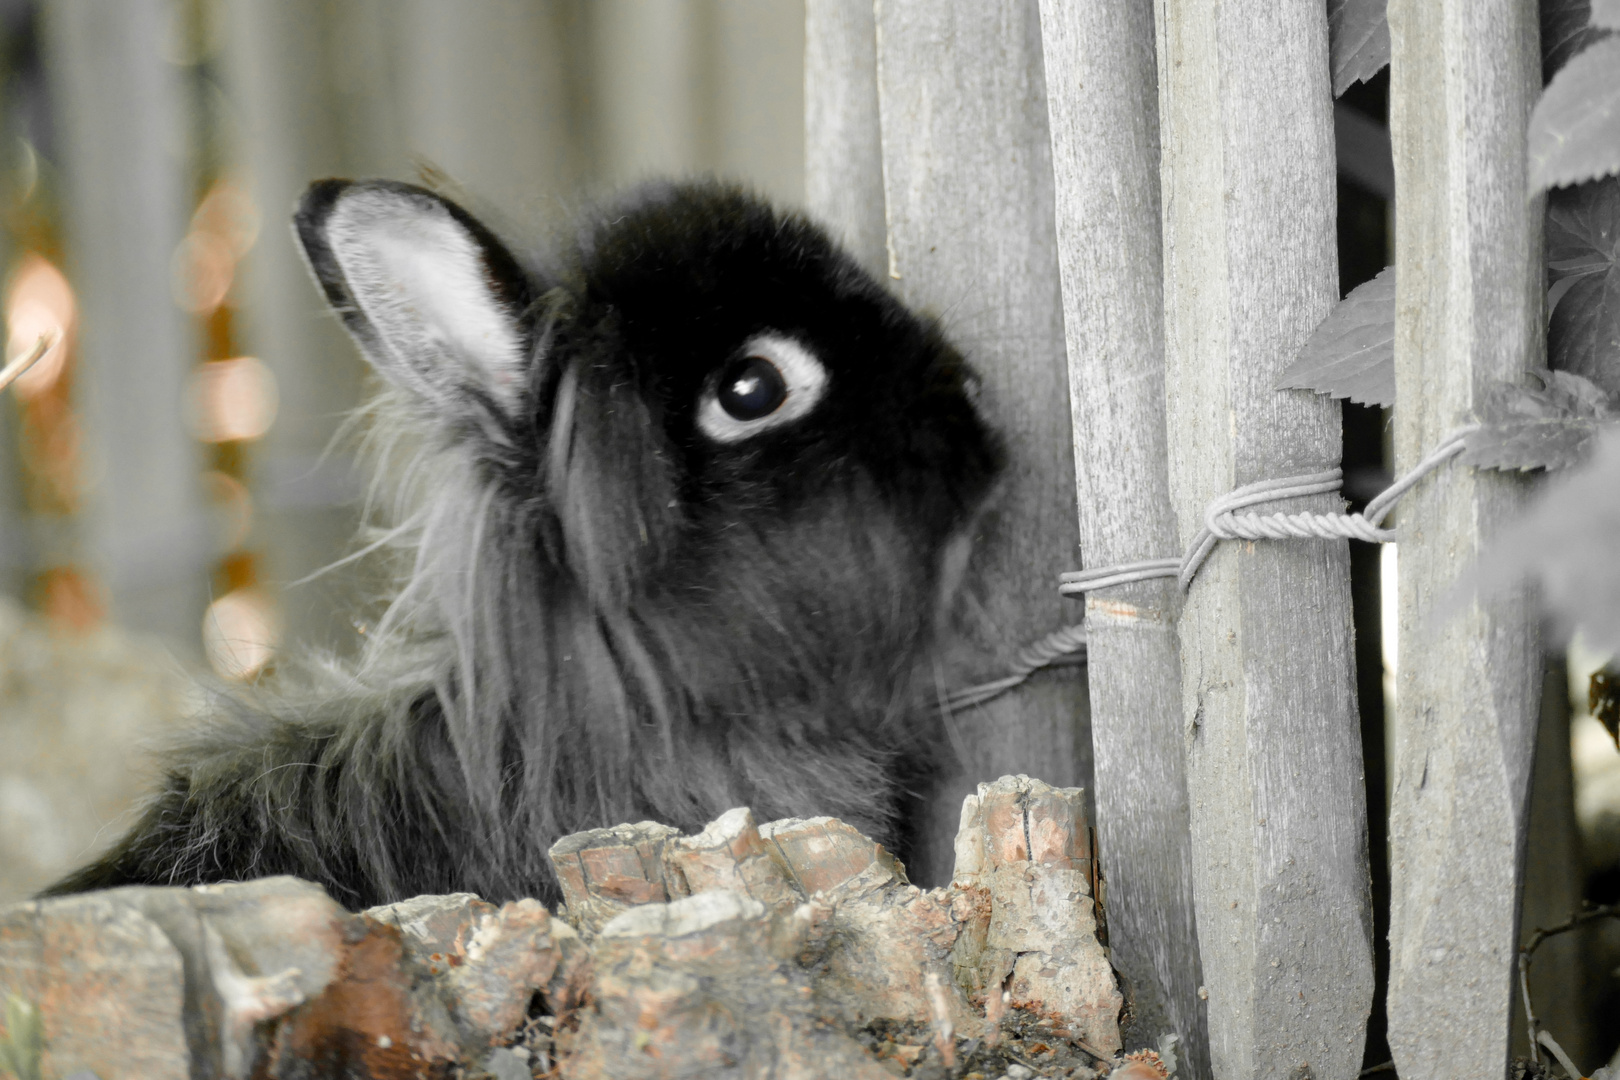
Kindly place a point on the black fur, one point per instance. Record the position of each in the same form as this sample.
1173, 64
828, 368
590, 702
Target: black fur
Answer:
602, 614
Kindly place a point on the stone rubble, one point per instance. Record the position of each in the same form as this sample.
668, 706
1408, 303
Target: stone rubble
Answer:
793, 949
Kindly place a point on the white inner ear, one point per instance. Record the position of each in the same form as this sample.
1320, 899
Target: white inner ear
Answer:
419, 279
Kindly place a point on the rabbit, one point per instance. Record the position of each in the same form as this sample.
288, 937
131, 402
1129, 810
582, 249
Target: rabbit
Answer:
684, 507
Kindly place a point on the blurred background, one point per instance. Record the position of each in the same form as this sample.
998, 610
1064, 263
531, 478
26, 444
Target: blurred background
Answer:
169, 470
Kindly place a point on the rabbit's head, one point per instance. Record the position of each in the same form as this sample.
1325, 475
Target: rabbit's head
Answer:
685, 498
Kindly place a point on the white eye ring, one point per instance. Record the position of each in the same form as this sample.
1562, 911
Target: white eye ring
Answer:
802, 374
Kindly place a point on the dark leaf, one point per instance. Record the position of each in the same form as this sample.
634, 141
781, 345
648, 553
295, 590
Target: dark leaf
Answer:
1352, 354
1583, 223
1565, 31
1561, 395
1583, 250
1606, 13
1575, 127
1361, 145
1566, 542
1584, 336
1358, 41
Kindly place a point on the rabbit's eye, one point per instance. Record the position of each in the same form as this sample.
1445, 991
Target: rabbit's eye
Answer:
751, 388
775, 381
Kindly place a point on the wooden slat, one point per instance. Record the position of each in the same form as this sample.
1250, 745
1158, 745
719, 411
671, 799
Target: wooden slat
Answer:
968, 186
1273, 750
654, 122
843, 153
311, 86
485, 97
121, 118
1468, 314
757, 56
1102, 94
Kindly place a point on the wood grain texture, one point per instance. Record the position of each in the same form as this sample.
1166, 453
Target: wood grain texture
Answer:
843, 153
968, 188
1102, 97
1468, 313
1274, 767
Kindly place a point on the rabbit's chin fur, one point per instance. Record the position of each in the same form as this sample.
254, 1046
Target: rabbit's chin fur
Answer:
598, 617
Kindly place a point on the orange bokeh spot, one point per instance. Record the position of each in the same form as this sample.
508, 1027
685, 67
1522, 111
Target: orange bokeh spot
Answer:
232, 400
227, 213
69, 599
241, 632
222, 230
39, 301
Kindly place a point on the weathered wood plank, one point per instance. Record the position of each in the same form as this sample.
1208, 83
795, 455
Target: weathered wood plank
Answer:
843, 152
1102, 95
1273, 751
1468, 313
968, 186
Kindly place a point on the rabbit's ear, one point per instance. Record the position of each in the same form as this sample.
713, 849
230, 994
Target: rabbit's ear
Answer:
433, 299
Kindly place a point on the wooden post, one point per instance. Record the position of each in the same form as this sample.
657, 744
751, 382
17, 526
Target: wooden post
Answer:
1102, 93
843, 152
1274, 768
1468, 314
968, 186
121, 122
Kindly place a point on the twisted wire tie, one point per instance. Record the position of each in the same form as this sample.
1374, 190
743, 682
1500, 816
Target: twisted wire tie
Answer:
1222, 521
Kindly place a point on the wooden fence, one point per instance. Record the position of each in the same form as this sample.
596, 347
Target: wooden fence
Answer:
1161, 180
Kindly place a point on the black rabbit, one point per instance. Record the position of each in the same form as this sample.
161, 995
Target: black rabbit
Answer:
680, 519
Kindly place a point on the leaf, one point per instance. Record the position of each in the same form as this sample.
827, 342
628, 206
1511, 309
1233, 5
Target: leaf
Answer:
1561, 394
1566, 542
1575, 127
1564, 32
1555, 443
1606, 14
1352, 354
1583, 252
1358, 41
1546, 427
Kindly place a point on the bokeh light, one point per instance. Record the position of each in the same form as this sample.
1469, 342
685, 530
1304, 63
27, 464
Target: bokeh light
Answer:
226, 212
233, 504
39, 302
241, 633
223, 228
231, 400
204, 268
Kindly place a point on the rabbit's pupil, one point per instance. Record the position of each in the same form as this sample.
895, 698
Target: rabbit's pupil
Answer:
752, 388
